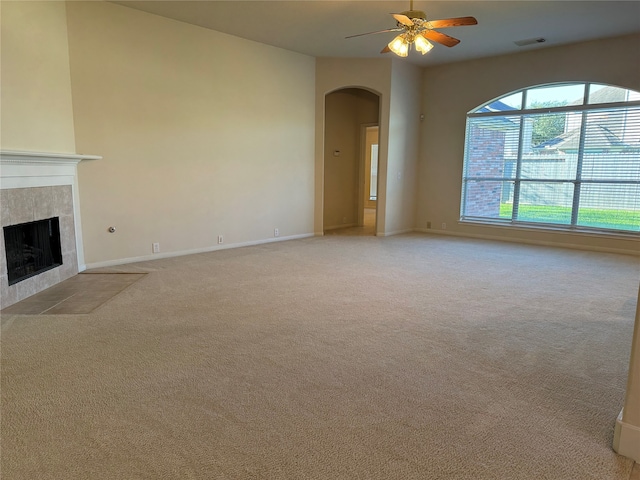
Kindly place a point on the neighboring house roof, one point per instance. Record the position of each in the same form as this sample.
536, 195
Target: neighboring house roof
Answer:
601, 139
609, 94
498, 123
495, 106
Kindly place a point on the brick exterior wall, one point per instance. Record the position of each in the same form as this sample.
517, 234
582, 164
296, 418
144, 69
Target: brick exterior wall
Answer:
485, 158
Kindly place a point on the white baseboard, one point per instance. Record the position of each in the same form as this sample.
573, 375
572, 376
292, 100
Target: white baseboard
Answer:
626, 439
122, 261
157, 256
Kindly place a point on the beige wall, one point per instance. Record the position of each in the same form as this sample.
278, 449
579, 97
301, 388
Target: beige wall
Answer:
631, 413
398, 84
346, 112
36, 109
626, 437
202, 134
450, 91
404, 139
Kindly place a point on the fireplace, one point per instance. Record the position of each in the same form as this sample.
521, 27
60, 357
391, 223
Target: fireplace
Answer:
32, 248
41, 242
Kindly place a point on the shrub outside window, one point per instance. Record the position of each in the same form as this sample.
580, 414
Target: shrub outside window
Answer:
562, 155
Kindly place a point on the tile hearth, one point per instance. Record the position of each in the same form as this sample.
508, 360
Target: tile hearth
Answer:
80, 294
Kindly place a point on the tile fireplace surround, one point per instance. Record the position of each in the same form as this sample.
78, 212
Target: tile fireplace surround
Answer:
36, 186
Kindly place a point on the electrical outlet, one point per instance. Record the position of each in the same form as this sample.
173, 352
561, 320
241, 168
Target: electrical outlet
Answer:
156, 247
276, 232
220, 239
444, 226
344, 219
428, 224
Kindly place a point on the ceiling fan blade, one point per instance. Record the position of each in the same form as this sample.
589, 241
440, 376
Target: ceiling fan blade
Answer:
379, 31
403, 19
385, 49
441, 38
452, 22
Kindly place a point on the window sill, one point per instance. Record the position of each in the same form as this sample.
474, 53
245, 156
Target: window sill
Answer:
551, 228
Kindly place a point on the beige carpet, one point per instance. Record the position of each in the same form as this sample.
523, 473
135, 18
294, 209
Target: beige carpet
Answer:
408, 357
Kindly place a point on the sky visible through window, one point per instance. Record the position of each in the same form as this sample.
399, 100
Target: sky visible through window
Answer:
560, 95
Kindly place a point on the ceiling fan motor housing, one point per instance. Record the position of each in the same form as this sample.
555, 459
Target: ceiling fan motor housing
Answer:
413, 14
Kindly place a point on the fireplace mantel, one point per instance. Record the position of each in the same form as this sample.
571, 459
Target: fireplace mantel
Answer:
24, 156
21, 171
39, 169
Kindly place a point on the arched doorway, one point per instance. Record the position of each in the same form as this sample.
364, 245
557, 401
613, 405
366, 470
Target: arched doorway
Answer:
350, 162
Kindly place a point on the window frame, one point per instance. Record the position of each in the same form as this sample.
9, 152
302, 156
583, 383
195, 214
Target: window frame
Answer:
583, 109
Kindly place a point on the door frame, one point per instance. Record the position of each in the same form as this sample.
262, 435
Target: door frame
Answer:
320, 153
362, 174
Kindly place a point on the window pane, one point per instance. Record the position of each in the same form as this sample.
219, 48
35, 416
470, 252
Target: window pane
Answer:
612, 145
610, 206
488, 199
599, 93
545, 202
555, 96
504, 104
537, 167
544, 139
514, 100
492, 147
546, 130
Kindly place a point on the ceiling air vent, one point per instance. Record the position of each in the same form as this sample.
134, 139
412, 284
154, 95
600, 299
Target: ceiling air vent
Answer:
530, 41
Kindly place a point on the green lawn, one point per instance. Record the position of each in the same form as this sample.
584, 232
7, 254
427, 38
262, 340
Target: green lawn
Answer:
588, 217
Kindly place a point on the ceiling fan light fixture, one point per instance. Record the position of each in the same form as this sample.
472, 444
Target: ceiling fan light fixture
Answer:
422, 44
399, 46
416, 30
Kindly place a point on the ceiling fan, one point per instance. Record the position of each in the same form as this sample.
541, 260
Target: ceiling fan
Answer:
417, 30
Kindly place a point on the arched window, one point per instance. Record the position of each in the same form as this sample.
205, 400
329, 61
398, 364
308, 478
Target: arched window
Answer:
561, 155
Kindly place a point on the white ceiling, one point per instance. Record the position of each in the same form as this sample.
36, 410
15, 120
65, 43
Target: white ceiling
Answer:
319, 27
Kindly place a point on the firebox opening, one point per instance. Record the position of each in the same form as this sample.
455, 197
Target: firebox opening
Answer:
32, 248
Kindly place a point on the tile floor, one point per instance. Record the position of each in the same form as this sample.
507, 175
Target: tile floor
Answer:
368, 229
80, 294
